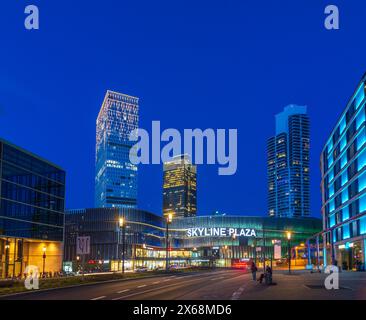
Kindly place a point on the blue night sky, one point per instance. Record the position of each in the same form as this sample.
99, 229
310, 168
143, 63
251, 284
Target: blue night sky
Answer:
194, 64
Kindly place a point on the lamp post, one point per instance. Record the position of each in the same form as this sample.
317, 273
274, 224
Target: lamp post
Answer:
272, 253
7, 247
289, 234
44, 260
169, 220
122, 227
233, 237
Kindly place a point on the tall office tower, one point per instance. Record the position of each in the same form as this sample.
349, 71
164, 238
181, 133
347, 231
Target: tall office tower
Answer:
180, 187
116, 176
288, 164
343, 185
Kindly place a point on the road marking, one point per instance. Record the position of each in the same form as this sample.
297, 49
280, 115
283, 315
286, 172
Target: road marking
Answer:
156, 282
123, 291
150, 290
98, 298
236, 295
213, 279
143, 285
166, 280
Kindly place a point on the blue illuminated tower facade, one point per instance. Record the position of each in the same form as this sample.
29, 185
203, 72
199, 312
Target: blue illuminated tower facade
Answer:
116, 176
288, 164
343, 185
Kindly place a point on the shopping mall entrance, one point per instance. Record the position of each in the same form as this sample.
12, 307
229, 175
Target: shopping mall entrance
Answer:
350, 256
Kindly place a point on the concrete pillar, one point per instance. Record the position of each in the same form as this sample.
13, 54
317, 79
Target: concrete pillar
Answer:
309, 251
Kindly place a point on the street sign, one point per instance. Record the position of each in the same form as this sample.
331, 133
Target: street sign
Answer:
82, 245
277, 249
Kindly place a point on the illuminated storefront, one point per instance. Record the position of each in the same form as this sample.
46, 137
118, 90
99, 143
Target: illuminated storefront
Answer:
218, 240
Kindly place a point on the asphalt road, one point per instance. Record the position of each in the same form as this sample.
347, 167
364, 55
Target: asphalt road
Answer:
215, 285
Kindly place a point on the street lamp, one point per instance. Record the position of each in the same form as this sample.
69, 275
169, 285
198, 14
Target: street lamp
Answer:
44, 260
7, 247
122, 227
233, 237
289, 234
169, 220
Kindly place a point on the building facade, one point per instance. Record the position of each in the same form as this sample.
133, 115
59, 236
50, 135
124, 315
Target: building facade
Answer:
288, 164
180, 187
192, 241
32, 192
343, 185
116, 176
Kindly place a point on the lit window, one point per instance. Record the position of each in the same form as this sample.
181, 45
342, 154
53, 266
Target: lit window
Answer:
360, 119
345, 195
346, 233
345, 213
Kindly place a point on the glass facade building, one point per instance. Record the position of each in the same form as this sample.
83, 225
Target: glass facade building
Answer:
200, 240
288, 164
32, 192
180, 187
116, 176
343, 185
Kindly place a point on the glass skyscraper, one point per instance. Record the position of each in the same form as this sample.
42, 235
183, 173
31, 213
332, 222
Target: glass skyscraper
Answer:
288, 164
180, 187
343, 185
116, 176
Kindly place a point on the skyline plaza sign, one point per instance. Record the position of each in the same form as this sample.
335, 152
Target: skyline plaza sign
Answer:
221, 232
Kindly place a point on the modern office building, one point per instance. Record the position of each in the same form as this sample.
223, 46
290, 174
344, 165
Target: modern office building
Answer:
32, 192
343, 185
116, 176
218, 240
180, 187
288, 164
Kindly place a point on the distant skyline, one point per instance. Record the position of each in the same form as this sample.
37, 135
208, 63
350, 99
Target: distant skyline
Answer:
205, 64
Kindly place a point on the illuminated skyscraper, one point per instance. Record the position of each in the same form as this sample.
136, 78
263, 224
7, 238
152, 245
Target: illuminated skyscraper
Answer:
288, 164
180, 187
116, 176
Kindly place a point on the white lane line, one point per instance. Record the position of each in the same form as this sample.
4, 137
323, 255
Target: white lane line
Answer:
98, 298
123, 291
156, 282
236, 295
166, 280
143, 285
151, 290
213, 279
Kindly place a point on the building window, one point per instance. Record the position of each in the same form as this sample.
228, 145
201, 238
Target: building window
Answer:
331, 190
363, 225
342, 125
362, 204
344, 178
343, 160
361, 139
332, 221
331, 206
345, 213
345, 195
360, 119
346, 232
362, 182
343, 143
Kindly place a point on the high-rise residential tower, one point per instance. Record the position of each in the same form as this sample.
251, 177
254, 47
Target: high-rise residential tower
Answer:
180, 187
288, 164
116, 176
